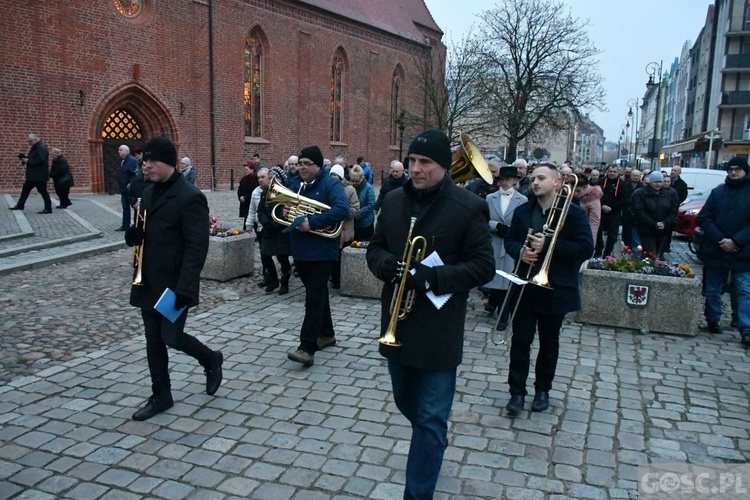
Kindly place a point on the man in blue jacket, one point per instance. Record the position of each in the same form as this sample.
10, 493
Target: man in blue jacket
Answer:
315, 255
125, 176
725, 220
543, 309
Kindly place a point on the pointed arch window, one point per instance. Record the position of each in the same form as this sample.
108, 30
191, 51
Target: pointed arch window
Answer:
396, 106
337, 79
253, 89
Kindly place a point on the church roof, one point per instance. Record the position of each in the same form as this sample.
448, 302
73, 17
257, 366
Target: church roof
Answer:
398, 17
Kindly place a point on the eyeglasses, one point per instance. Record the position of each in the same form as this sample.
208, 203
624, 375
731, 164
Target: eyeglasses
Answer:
305, 163
734, 169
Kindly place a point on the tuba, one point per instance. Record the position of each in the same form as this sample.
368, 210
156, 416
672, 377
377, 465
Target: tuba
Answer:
468, 163
139, 222
400, 304
298, 205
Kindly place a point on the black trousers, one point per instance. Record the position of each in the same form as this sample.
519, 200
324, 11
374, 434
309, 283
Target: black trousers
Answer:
63, 193
525, 324
627, 233
26, 190
364, 233
269, 268
160, 334
611, 225
653, 242
317, 322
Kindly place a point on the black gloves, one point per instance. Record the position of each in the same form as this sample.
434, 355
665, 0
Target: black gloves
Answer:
181, 301
133, 236
423, 279
502, 229
391, 269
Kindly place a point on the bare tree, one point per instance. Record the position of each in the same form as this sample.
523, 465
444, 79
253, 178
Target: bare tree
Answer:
539, 68
453, 100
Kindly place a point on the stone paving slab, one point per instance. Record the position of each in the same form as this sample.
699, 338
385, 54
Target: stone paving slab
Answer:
276, 430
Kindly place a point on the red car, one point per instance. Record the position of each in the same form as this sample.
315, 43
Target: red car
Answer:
686, 215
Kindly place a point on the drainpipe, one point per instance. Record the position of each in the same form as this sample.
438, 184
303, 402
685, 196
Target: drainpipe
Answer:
211, 91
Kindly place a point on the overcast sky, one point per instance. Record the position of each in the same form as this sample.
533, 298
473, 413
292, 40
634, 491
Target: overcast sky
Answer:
629, 34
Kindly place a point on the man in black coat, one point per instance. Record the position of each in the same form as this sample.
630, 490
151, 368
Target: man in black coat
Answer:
678, 184
62, 178
125, 175
543, 308
37, 174
174, 249
395, 180
725, 220
423, 369
613, 202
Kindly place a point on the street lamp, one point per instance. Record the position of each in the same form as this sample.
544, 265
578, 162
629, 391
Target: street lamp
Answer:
654, 70
633, 103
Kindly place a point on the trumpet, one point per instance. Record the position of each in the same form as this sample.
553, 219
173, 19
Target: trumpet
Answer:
553, 225
400, 305
298, 205
139, 222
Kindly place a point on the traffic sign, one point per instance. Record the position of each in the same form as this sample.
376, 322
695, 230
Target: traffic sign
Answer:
623, 152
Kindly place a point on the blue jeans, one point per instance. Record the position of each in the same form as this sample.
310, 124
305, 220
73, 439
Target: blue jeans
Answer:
125, 210
425, 398
716, 278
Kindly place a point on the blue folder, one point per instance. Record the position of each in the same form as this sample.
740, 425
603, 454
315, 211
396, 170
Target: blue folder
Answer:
165, 305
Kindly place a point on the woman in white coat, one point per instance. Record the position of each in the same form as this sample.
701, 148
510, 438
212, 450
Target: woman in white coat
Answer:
502, 204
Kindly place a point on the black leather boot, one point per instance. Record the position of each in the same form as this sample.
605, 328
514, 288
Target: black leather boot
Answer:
154, 406
266, 280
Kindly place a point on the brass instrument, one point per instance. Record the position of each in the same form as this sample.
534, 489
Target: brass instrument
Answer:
298, 205
558, 212
468, 163
139, 222
400, 305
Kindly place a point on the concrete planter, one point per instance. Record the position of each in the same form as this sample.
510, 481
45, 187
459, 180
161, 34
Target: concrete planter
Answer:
642, 302
230, 257
356, 278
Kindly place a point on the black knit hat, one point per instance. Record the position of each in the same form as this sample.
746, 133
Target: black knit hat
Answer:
739, 161
434, 144
160, 149
313, 154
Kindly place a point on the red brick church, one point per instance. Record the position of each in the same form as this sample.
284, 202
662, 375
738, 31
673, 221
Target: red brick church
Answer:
89, 76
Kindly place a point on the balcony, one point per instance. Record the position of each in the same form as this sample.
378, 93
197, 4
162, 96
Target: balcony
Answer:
736, 63
735, 99
738, 31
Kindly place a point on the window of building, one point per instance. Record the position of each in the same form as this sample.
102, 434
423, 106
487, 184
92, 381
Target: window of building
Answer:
337, 94
396, 106
121, 125
253, 89
746, 26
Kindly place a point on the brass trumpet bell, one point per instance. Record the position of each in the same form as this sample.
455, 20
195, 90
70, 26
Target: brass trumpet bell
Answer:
469, 163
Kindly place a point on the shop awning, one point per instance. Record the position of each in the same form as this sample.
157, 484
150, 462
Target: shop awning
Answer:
680, 147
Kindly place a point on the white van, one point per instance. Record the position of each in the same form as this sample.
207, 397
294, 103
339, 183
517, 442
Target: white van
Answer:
701, 181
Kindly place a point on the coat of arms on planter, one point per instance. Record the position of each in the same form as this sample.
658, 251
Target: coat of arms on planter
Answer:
637, 295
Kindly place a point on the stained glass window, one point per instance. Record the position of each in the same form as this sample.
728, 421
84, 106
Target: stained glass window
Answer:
337, 77
121, 125
253, 91
128, 8
395, 104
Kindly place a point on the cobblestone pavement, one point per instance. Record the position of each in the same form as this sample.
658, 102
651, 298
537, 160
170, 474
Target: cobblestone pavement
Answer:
74, 370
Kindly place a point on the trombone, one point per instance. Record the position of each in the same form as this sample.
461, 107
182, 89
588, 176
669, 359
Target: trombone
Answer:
552, 227
139, 222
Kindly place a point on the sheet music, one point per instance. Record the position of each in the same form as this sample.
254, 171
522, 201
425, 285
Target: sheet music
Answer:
434, 260
512, 278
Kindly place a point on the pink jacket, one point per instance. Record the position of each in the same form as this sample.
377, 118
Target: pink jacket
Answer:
591, 202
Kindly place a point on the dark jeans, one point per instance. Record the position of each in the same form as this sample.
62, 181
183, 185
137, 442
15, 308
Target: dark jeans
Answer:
715, 281
317, 322
525, 324
269, 268
611, 224
125, 210
425, 398
160, 334
364, 233
41, 187
653, 242
63, 193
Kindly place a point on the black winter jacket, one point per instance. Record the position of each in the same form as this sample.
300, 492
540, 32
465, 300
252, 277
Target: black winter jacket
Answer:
726, 214
650, 207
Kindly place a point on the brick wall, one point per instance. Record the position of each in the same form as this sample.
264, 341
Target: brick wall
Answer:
66, 64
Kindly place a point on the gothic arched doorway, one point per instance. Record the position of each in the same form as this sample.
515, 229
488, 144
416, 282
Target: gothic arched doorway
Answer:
130, 115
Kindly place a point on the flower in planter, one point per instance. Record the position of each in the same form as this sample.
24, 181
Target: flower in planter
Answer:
641, 263
359, 244
221, 230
